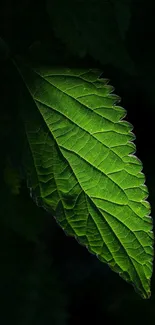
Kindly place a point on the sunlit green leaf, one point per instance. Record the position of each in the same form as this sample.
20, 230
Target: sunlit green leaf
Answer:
82, 169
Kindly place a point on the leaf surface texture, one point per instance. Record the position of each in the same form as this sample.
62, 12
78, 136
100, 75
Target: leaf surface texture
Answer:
83, 170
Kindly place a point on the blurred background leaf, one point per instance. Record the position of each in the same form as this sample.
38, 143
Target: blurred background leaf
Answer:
95, 28
122, 10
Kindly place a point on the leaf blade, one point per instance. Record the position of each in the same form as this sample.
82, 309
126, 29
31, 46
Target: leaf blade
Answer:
87, 174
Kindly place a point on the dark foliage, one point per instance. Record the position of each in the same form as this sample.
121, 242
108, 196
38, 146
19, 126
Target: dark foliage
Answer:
45, 276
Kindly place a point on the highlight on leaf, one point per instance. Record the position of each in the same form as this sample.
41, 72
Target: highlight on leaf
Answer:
81, 167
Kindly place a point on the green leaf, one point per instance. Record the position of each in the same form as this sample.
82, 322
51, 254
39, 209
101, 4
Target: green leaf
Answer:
82, 169
93, 28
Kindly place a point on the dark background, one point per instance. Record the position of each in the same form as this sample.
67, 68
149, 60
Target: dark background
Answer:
46, 277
